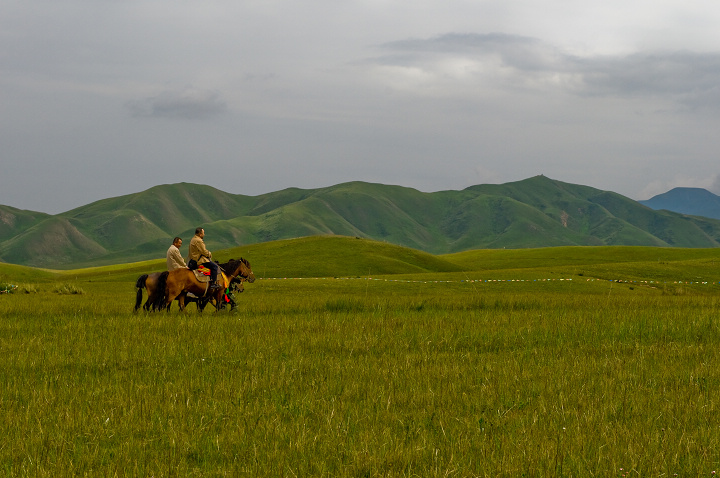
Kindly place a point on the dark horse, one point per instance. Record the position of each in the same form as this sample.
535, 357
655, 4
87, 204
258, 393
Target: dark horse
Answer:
157, 284
236, 285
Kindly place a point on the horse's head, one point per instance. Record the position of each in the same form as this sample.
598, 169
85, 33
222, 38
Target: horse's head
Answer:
245, 271
240, 268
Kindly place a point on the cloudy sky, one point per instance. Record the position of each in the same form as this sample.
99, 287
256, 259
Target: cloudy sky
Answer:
101, 98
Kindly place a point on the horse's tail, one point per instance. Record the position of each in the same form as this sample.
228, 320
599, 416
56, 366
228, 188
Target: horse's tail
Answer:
139, 285
161, 296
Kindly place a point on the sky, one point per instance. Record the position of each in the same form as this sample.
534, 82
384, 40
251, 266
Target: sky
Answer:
102, 98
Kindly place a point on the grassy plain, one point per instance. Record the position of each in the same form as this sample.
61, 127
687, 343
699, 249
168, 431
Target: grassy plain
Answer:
546, 362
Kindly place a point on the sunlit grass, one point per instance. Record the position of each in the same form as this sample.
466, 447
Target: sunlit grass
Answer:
505, 372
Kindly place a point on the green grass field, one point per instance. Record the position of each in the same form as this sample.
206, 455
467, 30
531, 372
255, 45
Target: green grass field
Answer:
355, 358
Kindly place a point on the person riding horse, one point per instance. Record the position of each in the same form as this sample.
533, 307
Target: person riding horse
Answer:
173, 256
165, 287
198, 254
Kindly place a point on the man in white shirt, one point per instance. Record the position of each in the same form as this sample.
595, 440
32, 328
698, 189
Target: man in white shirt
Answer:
174, 258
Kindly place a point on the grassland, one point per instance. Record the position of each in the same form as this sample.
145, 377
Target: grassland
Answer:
357, 358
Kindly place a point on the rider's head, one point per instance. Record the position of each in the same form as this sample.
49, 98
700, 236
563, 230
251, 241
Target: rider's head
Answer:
200, 232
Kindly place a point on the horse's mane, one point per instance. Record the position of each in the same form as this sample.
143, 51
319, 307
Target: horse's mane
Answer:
232, 264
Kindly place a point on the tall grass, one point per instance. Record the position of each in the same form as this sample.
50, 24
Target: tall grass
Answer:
364, 378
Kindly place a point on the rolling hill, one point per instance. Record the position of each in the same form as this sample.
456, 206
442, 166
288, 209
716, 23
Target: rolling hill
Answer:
342, 256
536, 212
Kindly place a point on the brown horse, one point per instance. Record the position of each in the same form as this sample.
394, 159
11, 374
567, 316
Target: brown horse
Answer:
176, 284
148, 282
155, 283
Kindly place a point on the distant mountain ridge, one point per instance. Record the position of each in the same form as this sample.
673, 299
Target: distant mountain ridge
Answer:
694, 201
536, 212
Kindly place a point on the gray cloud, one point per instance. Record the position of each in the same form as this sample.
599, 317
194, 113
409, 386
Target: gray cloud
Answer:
190, 103
523, 53
692, 79
614, 94
687, 76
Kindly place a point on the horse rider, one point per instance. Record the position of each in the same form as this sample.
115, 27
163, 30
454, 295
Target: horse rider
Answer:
174, 258
198, 254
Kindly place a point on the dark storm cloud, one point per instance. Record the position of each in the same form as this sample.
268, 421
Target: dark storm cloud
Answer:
189, 103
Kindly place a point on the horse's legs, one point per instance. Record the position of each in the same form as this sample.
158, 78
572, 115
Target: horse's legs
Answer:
140, 284
219, 300
150, 301
150, 296
181, 300
154, 293
171, 294
154, 299
202, 303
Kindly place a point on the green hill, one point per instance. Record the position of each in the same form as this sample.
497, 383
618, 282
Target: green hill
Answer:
335, 256
316, 256
13, 221
537, 212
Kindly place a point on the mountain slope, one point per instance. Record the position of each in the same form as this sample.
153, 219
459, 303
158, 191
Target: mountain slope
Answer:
694, 201
536, 212
49, 243
13, 221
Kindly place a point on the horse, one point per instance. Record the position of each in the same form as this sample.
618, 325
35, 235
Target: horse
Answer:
156, 293
148, 282
236, 285
176, 284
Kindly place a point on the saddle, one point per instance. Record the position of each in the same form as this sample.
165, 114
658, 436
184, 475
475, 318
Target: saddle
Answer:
202, 274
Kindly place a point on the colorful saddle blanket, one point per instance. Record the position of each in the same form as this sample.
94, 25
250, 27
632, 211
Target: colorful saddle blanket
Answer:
202, 274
